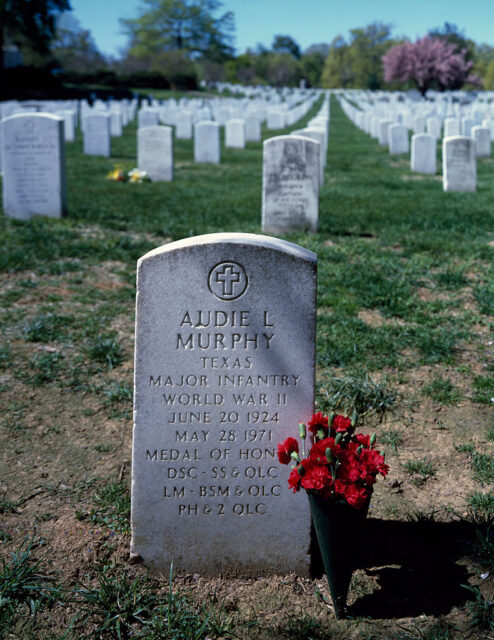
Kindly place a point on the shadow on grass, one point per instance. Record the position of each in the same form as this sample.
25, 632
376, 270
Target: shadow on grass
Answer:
416, 567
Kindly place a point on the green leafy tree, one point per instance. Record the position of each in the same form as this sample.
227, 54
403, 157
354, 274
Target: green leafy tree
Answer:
188, 26
483, 59
242, 69
312, 63
357, 63
286, 44
367, 46
337, 71
282, 70
489, 77
29, 25
74, 48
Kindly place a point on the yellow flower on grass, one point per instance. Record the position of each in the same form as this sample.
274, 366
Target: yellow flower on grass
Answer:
117, 174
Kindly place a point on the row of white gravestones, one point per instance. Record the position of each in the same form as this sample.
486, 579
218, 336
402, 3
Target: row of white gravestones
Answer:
459, 153
33, 162
224, 370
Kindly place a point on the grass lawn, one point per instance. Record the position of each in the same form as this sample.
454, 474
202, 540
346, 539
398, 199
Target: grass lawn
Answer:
405, 337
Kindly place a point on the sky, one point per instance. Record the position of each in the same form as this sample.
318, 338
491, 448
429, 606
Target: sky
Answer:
307, 21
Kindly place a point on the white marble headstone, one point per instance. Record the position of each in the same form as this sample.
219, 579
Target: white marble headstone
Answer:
252, 129
97, 134
290, 184
459, 164
207, 142
148, 117
155, 152
451, 127
398, 139
183, 129
423, 156
482, 137
224, 370
33, 162
235, 134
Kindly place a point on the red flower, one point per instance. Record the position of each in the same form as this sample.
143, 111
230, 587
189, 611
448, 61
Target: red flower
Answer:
356, 496
318, 422
316, 474
341, 424
294, 480
285, 449
363, 440
319, 448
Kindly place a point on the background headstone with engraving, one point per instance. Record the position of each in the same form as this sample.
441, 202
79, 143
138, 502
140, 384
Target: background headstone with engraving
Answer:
459, 164
33, 161
224, 370
290, 184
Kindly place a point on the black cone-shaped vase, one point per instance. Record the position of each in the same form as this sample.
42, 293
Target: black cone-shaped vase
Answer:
339, 528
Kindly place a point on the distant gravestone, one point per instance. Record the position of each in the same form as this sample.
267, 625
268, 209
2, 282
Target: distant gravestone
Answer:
222, 116
252, 129
116, 124
148, 117
68, 124
207, 142
290, 193
459, 164
33, 161
434, 127
375, 127
398, 139
482, 137
423, 156
384, 125
224, 370
97, 134
235, 134
419, 124
489, 123
451, 127
183, 129
276, 120
466, 126
155, 152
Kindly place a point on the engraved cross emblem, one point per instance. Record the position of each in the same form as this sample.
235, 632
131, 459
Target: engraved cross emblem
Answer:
227, 280
228, 277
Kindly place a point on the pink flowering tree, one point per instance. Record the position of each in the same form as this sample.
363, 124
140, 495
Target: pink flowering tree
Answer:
427, 62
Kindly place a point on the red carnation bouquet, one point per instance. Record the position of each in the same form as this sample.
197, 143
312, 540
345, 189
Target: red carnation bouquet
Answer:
341, 464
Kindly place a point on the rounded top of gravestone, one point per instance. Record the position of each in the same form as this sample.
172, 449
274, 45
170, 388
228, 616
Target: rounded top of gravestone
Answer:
456, 138
290, 137
247, 239
36, 117
206, 123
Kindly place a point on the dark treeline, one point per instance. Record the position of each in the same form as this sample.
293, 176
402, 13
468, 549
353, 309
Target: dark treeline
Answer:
180, 43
